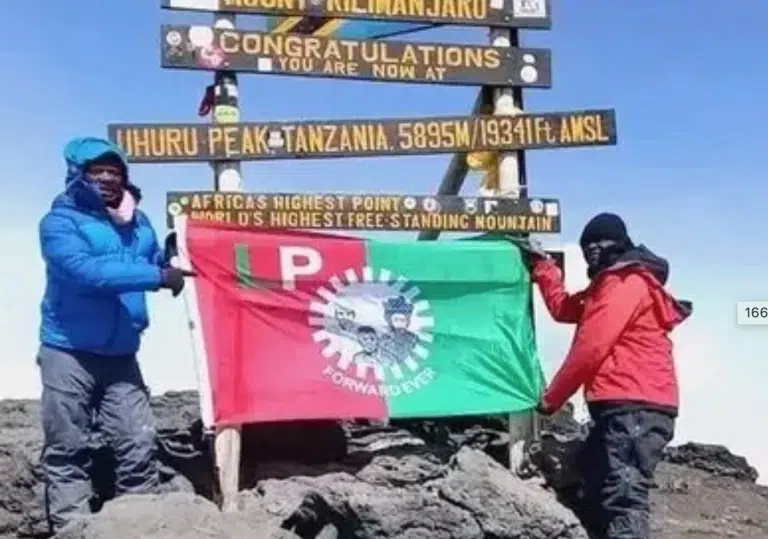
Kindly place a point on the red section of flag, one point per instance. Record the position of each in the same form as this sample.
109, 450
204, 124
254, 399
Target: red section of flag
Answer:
264, 364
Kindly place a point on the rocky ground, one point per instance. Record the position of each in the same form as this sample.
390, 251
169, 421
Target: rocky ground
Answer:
409, 480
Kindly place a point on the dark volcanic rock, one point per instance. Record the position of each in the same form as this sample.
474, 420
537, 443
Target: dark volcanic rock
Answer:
715, 459
414, 495
168, 516
409, 479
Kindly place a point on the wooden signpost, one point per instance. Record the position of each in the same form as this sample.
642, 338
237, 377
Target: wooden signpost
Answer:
368, 212
202, 47
302, 44
159, 143
503, 13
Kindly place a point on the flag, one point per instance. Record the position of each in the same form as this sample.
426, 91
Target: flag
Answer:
342, 28
303, 325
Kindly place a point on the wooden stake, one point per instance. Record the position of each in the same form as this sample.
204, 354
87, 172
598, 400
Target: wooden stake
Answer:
227, 177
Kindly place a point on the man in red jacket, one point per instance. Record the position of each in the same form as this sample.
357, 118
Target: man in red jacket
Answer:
622, 355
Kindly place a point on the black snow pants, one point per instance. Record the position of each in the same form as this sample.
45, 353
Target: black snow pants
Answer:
618, 461
78, 389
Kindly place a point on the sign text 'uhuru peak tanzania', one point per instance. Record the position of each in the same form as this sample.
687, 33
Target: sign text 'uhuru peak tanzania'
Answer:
157, 143
367, 212
534, 14
203, 47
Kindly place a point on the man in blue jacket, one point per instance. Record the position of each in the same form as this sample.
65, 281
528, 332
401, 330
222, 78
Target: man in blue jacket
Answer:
101, 256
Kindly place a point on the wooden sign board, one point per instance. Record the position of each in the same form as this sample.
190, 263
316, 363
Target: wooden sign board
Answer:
213, 49
164, 143
368, 212
534, 14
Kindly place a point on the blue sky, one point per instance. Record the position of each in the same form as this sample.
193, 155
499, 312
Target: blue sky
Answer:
688, 81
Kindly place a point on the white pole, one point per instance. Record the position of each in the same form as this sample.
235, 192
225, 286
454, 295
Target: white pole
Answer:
195, 326
227, 177
505, 104
511, 184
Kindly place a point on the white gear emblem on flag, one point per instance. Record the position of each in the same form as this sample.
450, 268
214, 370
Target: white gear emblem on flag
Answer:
371, 327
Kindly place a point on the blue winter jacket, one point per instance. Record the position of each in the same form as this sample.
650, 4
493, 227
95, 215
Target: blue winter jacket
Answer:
97, 272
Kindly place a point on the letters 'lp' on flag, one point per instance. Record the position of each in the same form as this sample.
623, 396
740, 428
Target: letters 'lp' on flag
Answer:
309, 326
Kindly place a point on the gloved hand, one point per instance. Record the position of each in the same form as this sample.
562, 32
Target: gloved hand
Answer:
536, 250
544, 408
531, 247
173, 279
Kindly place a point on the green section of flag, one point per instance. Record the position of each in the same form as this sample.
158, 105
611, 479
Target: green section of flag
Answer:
482, 358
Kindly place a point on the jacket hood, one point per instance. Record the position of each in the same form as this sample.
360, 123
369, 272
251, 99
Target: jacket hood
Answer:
79, 192
655, 269
640, 255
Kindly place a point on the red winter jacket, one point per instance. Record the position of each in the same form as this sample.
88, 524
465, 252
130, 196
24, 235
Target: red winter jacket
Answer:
621, 350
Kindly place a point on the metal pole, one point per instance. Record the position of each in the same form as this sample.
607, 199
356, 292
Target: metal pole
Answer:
457, 168
508, 102
513, 184
227, 177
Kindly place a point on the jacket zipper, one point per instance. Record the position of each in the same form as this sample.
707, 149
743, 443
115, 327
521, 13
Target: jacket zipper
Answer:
116, 316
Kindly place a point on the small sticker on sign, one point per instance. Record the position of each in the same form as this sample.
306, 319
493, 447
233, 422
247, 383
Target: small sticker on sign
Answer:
531, 9
264, 64
497, 4
552, 209
200, 36
174, 209
205, 5
431, 205
232, 90
275, 139
529, 74
224, 24
226, 114
173, 38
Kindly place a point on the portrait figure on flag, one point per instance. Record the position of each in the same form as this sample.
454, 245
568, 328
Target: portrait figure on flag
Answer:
398, 341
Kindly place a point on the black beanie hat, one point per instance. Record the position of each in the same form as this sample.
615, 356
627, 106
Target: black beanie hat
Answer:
605, 226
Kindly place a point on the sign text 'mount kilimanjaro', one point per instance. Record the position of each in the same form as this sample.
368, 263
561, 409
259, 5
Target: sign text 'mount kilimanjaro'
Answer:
202, 47
158, 143
367, 212
501, 13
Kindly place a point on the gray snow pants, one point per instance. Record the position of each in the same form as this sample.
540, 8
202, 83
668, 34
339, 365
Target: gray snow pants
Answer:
78, 389
618, 462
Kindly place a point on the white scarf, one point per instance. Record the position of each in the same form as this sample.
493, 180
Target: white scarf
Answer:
123, 214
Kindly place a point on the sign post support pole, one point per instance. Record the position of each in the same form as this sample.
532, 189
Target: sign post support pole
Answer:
227, 177
458, 168
512, 183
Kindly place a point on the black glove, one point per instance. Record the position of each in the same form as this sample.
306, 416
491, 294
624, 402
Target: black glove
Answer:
529, 246
544, 408
534, 248
173, 279
531, 250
